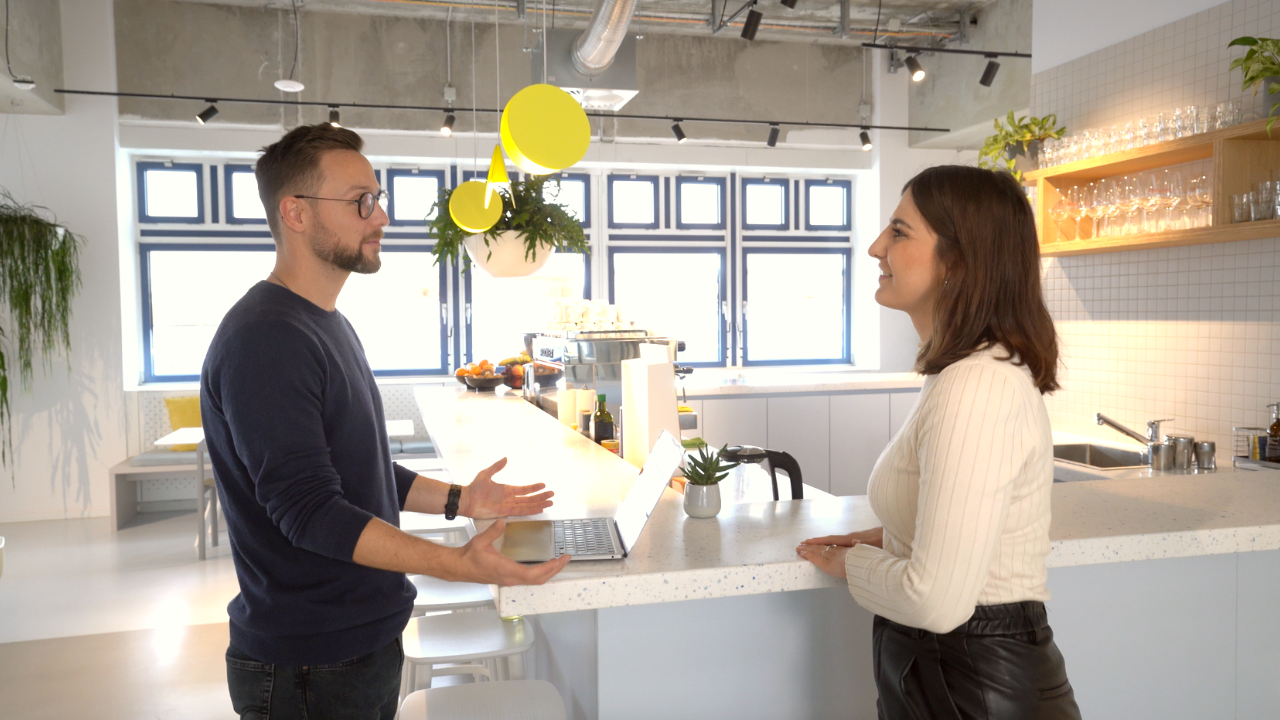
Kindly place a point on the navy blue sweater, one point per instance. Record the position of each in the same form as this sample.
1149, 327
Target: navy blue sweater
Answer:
297, 439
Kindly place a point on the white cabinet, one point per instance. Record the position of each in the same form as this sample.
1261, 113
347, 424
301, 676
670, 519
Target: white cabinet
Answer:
799, 425
737, 421
900, 406
860, 427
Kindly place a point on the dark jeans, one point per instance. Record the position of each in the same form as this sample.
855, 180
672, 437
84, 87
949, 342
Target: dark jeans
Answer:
362, 688
1000, 665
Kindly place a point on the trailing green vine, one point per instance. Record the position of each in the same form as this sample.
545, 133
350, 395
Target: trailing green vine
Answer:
1259, 63
539, 222
39, 276
1016, 135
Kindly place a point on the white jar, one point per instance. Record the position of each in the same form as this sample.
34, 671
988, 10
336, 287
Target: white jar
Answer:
702, 501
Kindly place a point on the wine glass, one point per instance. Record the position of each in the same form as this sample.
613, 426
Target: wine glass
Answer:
1130, 199
1059, 212
1174, 195
1110, 206
1194, 204
1204, 191
1150, 201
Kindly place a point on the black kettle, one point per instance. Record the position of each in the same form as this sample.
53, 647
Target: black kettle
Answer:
773, 460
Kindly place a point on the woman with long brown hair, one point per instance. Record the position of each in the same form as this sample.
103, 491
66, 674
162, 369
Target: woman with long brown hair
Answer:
956, 576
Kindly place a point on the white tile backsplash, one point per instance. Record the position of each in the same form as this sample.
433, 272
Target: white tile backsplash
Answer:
1189, 333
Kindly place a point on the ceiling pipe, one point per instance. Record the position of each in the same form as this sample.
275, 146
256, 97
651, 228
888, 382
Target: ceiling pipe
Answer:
596, 47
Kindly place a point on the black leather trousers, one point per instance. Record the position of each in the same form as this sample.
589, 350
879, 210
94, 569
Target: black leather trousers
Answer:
1000, 665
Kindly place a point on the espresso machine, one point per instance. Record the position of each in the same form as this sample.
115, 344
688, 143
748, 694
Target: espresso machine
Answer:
590, 359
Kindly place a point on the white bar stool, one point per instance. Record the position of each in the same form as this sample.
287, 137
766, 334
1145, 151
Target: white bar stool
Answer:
509, 700
469, 643
436, 595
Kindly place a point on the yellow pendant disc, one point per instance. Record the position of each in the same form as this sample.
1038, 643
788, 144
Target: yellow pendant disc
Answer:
467, 207
544, 130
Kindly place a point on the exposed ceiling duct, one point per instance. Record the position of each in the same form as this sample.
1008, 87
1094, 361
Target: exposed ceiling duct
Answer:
608, 90
596, 47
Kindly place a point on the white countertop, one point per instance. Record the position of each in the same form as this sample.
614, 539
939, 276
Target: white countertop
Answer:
749, 548
716, 382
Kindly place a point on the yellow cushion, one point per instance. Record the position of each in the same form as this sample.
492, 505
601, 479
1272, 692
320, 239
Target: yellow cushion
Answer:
184, 412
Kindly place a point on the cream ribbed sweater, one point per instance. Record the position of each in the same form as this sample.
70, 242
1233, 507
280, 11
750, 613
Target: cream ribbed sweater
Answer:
963, 494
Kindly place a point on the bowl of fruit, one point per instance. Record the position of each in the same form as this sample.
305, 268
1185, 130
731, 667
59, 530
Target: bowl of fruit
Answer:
512, 370
480, 376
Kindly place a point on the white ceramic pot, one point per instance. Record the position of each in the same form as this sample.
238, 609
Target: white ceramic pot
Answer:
504, 257
702, 501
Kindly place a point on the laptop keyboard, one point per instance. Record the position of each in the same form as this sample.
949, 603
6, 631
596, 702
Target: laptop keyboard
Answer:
583, 537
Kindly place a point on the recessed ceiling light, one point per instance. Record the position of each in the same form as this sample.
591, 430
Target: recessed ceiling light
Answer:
288, 85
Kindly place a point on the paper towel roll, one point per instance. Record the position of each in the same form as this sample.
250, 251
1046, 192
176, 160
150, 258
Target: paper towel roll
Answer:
567, 406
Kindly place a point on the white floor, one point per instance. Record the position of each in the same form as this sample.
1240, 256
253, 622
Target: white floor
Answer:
105, 625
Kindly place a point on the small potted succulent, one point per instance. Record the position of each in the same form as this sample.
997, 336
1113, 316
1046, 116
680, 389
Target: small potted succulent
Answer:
1261, 68
702, 474
529, 230
1018, 137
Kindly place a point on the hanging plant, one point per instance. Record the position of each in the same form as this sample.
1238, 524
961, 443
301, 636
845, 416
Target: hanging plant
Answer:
1017, 137
539, 223
39, 276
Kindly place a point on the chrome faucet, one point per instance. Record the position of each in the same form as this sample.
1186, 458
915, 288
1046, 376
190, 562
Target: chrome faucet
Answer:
1153, 429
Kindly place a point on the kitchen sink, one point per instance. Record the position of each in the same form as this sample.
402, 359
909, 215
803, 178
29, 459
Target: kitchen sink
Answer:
1100, 456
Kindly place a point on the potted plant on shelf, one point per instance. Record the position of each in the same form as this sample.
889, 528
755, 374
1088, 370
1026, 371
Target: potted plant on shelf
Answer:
1261, 67
39, 276
702, 474
529, 230
1018, 137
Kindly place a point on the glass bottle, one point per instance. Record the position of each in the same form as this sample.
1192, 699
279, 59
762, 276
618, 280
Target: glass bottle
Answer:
1273, 434
602, 422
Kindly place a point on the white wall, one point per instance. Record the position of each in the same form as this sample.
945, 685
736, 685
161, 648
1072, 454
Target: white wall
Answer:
1063, 30
69, 429
897, 163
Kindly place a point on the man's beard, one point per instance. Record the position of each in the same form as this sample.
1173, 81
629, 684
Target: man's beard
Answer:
329, 248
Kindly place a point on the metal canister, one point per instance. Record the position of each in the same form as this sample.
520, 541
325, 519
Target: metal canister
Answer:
584, 422
1183, 450
1206, 455
1161, 455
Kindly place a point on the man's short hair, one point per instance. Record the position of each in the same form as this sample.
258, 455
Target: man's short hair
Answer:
291, 166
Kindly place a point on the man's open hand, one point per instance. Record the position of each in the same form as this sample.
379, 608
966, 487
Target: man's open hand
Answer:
479, 561
485, 499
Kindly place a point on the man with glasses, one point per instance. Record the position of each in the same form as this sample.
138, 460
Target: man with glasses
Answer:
297, 437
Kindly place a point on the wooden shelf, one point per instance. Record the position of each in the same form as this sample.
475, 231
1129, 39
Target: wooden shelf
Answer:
1172, 238
1242, 155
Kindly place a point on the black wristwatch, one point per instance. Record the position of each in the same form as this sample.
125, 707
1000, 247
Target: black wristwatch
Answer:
451, 505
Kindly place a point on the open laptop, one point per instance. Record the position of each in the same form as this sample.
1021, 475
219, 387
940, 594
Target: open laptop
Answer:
601, 538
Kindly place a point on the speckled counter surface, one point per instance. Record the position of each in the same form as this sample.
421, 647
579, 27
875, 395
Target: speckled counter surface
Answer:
749, 548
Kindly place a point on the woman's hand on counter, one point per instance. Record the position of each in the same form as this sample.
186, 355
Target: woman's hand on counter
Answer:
828, 552
485, 499
479, 561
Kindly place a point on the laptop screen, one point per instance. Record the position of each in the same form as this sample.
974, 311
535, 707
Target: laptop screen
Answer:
633, 513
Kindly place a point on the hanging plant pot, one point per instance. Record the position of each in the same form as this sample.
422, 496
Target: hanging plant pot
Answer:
505, 256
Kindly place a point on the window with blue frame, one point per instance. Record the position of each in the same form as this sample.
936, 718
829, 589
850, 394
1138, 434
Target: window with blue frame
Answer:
828, 205
573, 190
502, 310
413, 194
187, 289
633, 202
765, 204
674, 292
244, 205
700, 203
796, 305
170, 192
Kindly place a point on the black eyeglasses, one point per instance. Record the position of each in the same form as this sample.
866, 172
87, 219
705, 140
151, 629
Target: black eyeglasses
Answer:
364, 204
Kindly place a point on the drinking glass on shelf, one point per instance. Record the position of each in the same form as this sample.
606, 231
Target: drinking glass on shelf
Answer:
1171, 196
1241, 207
1264, 201
1060, 212
1161, 128
1204, 118
1177, 123
1194, 205
1110, 207
1130, 201
1086, 200
1190, 114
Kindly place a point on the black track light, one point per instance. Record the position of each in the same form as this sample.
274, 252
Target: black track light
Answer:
207, 114
865, 137
752, 25
789, 4
333, 116
773, 135
678, 132
917, 71
447, 128
989, 75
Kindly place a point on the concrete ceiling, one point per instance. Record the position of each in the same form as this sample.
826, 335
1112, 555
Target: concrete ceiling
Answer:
810, 21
